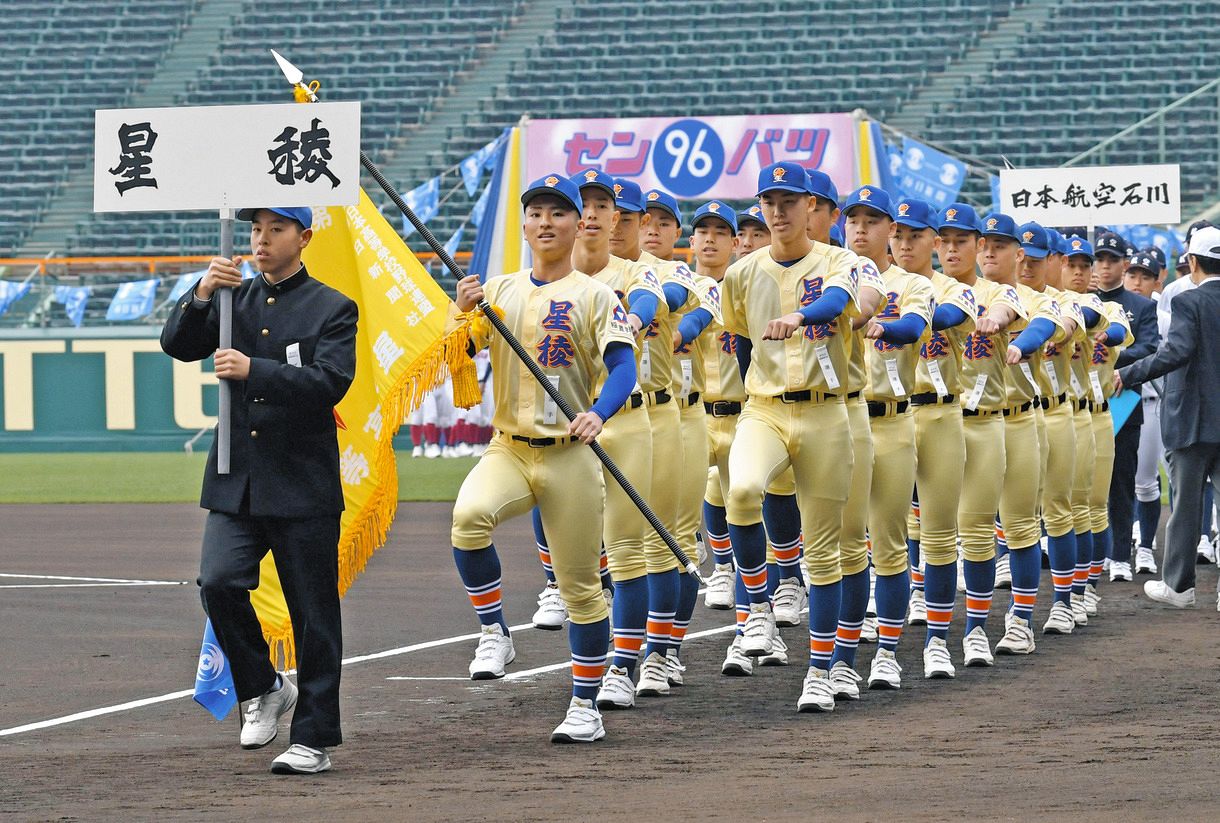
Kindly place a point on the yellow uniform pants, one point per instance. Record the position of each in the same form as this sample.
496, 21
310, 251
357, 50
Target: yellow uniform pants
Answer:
890, 492
853, 541
1103, 467
665, 421
1060, 456
982, 485
1082, 475
940, 464
1019, 503
627, 438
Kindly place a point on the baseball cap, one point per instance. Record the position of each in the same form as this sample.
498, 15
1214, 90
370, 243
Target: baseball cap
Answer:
870, 197
716, 208
1194, 227
555, 185
785, 176
300, 214
1035, 240
836, 236
1079, 246
1153, 252
1000, 225
958, 216
753, 213
594, 178
1110, 243
1058, 241
627, 196
657, 199
918, 214
1145, 261
1205, 243
820, 185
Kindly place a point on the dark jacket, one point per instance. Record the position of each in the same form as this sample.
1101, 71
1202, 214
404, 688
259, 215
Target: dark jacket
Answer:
284, 450
1190, 361
1141, 314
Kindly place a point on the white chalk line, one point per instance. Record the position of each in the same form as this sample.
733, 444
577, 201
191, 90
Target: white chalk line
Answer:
86, 585
81, 581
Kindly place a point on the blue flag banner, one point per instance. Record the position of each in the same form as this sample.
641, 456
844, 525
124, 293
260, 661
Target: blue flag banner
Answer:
425, 201
214, 689
1167, 240
184, 282
473, 166
994, 179
11, 292
74, 300
133, 300
486, 206
247, 271
480, 206
455, 239
929, 174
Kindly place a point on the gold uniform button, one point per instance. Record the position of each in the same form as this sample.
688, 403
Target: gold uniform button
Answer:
266, 332
270, 301
254, 434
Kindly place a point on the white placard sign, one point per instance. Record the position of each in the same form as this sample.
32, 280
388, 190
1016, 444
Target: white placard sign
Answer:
215, 157
1092, 195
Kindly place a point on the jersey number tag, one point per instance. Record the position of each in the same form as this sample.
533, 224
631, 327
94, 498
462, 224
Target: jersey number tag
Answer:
1029, 375
645, 364
549, 409
1052, 376
891, 370
1095, 381
938, 380
976, 394
828, 367
1077, 389
687, 377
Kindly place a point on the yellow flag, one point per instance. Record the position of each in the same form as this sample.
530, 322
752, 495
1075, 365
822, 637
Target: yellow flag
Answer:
401, 354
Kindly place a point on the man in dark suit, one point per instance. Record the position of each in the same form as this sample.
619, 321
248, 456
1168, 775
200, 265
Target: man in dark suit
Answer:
292, 360
1109, 266
1190, 415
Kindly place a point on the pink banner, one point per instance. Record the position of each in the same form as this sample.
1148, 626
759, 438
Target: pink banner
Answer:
694, 157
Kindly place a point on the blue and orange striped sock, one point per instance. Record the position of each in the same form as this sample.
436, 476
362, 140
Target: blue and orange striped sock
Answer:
853, 599
940, 590
718, 534
604, 571
480, 573
824, 604
1101, 550
980, 588
630, 621
662, 607
544, 551
741, 601
750, 552
783, 520
688, 596
1001, 543
892, 591
1084, 559
917, 573
1026, 567
588, 642
1062, 551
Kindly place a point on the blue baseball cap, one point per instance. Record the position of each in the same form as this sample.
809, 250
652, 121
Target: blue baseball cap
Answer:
657, 199
1078, 245
1035, 240
718, 209
595, 179
870, 197
628, 196
820, 185
785, 176
753, 213
959, 216
301, 214
1058, 241
1110, 243
918, 214
554, 185
1000, 225
836, 236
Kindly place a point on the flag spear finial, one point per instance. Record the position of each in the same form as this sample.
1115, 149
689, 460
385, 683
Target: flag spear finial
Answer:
304, 93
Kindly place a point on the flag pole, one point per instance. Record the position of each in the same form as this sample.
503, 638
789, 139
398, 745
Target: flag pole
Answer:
307, 92
225, 307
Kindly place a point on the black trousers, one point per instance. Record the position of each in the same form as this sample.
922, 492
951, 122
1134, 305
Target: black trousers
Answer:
306, 552
1122, 489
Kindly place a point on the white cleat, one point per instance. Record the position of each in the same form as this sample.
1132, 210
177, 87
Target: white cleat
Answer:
300, 759
961, 576
1080, 612
1092, 600
976, 648
1145, 561
736, 664
582, 724
788, 602
1120, 571
868, 630
778, 655
1017, 639
1206, 553
673, 668
551, 613
1060, 620
937, 664
617, 690
260, 722
817, 695
885, 672
758, 631
654, 677
418, 451
845, 681
1003, 572
494, 652
1159, 591
700, 551
719, 594
432, 450
917, 609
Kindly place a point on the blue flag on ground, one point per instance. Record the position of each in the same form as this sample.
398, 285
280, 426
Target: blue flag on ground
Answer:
214, 689
11, 292
74, 300
425, 201
133, 300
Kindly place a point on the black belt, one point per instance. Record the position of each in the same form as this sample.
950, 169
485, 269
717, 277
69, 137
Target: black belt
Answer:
722, 408
1059, 401
1024, 407
931, 398
977, 412
1104, 406
633, 402
797, 396
876, 409
852, 395
541, 442
661, 397
1082, 405
691, 399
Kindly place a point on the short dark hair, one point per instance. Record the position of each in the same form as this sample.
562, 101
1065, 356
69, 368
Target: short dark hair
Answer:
1210, 265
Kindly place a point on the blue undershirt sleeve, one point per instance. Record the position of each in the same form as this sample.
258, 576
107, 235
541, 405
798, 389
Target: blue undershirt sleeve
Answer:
620, 379
826, 308
1091, 317
946, 317
903, 331
1036, 333
693, 324
643, 304
1115, 334
745, 347
676, 295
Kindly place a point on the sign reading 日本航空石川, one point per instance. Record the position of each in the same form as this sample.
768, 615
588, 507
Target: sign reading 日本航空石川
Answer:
1092, 195
215, 157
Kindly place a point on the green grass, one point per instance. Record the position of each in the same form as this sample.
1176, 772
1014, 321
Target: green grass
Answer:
169, 477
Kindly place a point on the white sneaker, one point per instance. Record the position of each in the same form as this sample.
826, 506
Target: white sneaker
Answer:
1145, 562
494, 652
608, 596
301, 760
1136, 534
845, 681
885, 672
551, 613
432, 450
868, 630
1159, 591
736, 664
1091, 600
262, 715
1206, 551
1080, 611
719, 594
817, 695
477, 449
1105, 565
917, 609
1120, 571
418, 451
1017, 639
582, 724
617, 690
700, 551
462, 450
937, 664
977, 648
654, 677
1060, 620
1003, 573
758, 630
961, 576
449, 451
788, 602
673, 668
778, 656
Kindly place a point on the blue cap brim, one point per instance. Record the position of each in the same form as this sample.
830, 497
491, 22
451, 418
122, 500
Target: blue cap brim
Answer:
868, 206
912, 223
1035, 252
628, 207
749, 218
530, 194
711, 215
666, 209
792, 187
1003, 234
596, 185
248, 214
1080, 254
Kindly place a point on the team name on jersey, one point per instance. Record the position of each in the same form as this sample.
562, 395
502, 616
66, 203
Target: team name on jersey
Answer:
935, 348
811, 290
555, 351
978, 346
889, 312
